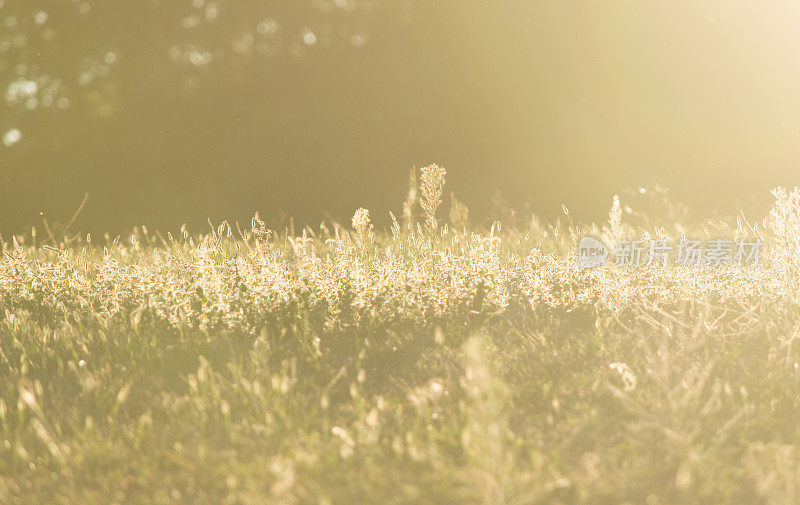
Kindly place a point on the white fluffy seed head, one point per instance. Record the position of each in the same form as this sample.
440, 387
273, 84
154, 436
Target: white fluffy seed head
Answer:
361, 220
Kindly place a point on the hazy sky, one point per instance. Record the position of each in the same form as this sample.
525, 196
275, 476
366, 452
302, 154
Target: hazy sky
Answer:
699, 95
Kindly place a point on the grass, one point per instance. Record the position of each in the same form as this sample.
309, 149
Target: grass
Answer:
425, 364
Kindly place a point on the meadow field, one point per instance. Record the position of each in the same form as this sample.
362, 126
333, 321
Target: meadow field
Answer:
442, 360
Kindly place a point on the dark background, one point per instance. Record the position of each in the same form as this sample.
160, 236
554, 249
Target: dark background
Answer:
546, 102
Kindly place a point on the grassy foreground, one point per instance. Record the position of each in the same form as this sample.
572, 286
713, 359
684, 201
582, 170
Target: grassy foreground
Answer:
433, 364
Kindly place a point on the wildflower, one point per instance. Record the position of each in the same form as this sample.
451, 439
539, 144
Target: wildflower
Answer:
432, 183
361, 220
625, 373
